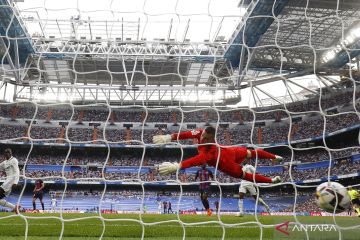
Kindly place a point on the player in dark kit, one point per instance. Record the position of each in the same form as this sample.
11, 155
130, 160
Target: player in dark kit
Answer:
204, 176
217, 207
38, 194
170, 208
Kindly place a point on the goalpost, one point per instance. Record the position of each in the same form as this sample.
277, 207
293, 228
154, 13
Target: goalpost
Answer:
278, 74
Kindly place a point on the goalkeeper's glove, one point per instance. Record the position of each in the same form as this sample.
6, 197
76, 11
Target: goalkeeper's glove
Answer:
162, 139
276, 179
168, 167
278, 159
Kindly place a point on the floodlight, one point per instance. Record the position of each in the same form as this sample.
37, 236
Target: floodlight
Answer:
349, 39
355, 32
329, 55
338, 48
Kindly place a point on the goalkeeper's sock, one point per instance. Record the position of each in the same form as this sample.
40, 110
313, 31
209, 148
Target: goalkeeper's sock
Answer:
42, 206
4, 203
34, 206
241, 206
262, 154
258, 178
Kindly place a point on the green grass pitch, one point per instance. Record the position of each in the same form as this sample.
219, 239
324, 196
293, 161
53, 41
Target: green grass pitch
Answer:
128, 226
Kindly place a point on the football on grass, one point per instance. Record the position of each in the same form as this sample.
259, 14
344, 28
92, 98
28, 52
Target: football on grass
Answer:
332, 197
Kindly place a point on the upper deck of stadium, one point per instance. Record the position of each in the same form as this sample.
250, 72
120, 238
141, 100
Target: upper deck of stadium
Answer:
79, 53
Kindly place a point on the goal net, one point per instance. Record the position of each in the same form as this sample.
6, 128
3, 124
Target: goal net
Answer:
87, 84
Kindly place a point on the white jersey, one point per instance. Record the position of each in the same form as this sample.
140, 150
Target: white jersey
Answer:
53, 205
11, 168
12, 171
249, 169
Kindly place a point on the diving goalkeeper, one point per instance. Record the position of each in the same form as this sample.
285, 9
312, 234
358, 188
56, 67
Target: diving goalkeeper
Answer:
229, 160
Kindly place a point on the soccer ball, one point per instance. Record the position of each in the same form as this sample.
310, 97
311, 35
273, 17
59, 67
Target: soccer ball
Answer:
332, 197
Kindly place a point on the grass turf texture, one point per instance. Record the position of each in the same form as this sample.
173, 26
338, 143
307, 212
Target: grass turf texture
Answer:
127, 226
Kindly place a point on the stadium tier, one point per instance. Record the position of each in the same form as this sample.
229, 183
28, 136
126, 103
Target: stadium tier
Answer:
124, 124
126, 162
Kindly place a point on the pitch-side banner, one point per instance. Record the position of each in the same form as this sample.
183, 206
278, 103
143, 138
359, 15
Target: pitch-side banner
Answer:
305, 214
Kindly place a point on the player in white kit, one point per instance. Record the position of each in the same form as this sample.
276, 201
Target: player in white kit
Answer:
11, 168
53, 205
159, 206
247, 186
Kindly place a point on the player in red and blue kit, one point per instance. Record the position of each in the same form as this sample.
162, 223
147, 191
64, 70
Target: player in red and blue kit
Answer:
38, 194
226, 159
204, 176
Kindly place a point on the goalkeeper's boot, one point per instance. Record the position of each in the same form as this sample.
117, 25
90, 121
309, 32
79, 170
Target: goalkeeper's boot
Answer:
209, 212
276, 179
240, 214
277, 160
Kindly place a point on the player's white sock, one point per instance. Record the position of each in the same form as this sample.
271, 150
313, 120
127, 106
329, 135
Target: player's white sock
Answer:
264, 204
241, 206
4, 203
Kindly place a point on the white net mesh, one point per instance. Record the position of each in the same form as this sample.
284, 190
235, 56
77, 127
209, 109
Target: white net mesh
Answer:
86, 85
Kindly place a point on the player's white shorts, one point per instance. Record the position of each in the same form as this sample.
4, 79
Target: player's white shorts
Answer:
244, 188
7, 185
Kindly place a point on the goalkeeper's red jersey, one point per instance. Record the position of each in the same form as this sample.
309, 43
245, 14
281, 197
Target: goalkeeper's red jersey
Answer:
209, 153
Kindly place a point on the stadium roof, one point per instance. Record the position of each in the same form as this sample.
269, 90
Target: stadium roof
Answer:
303, 31
227, 46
